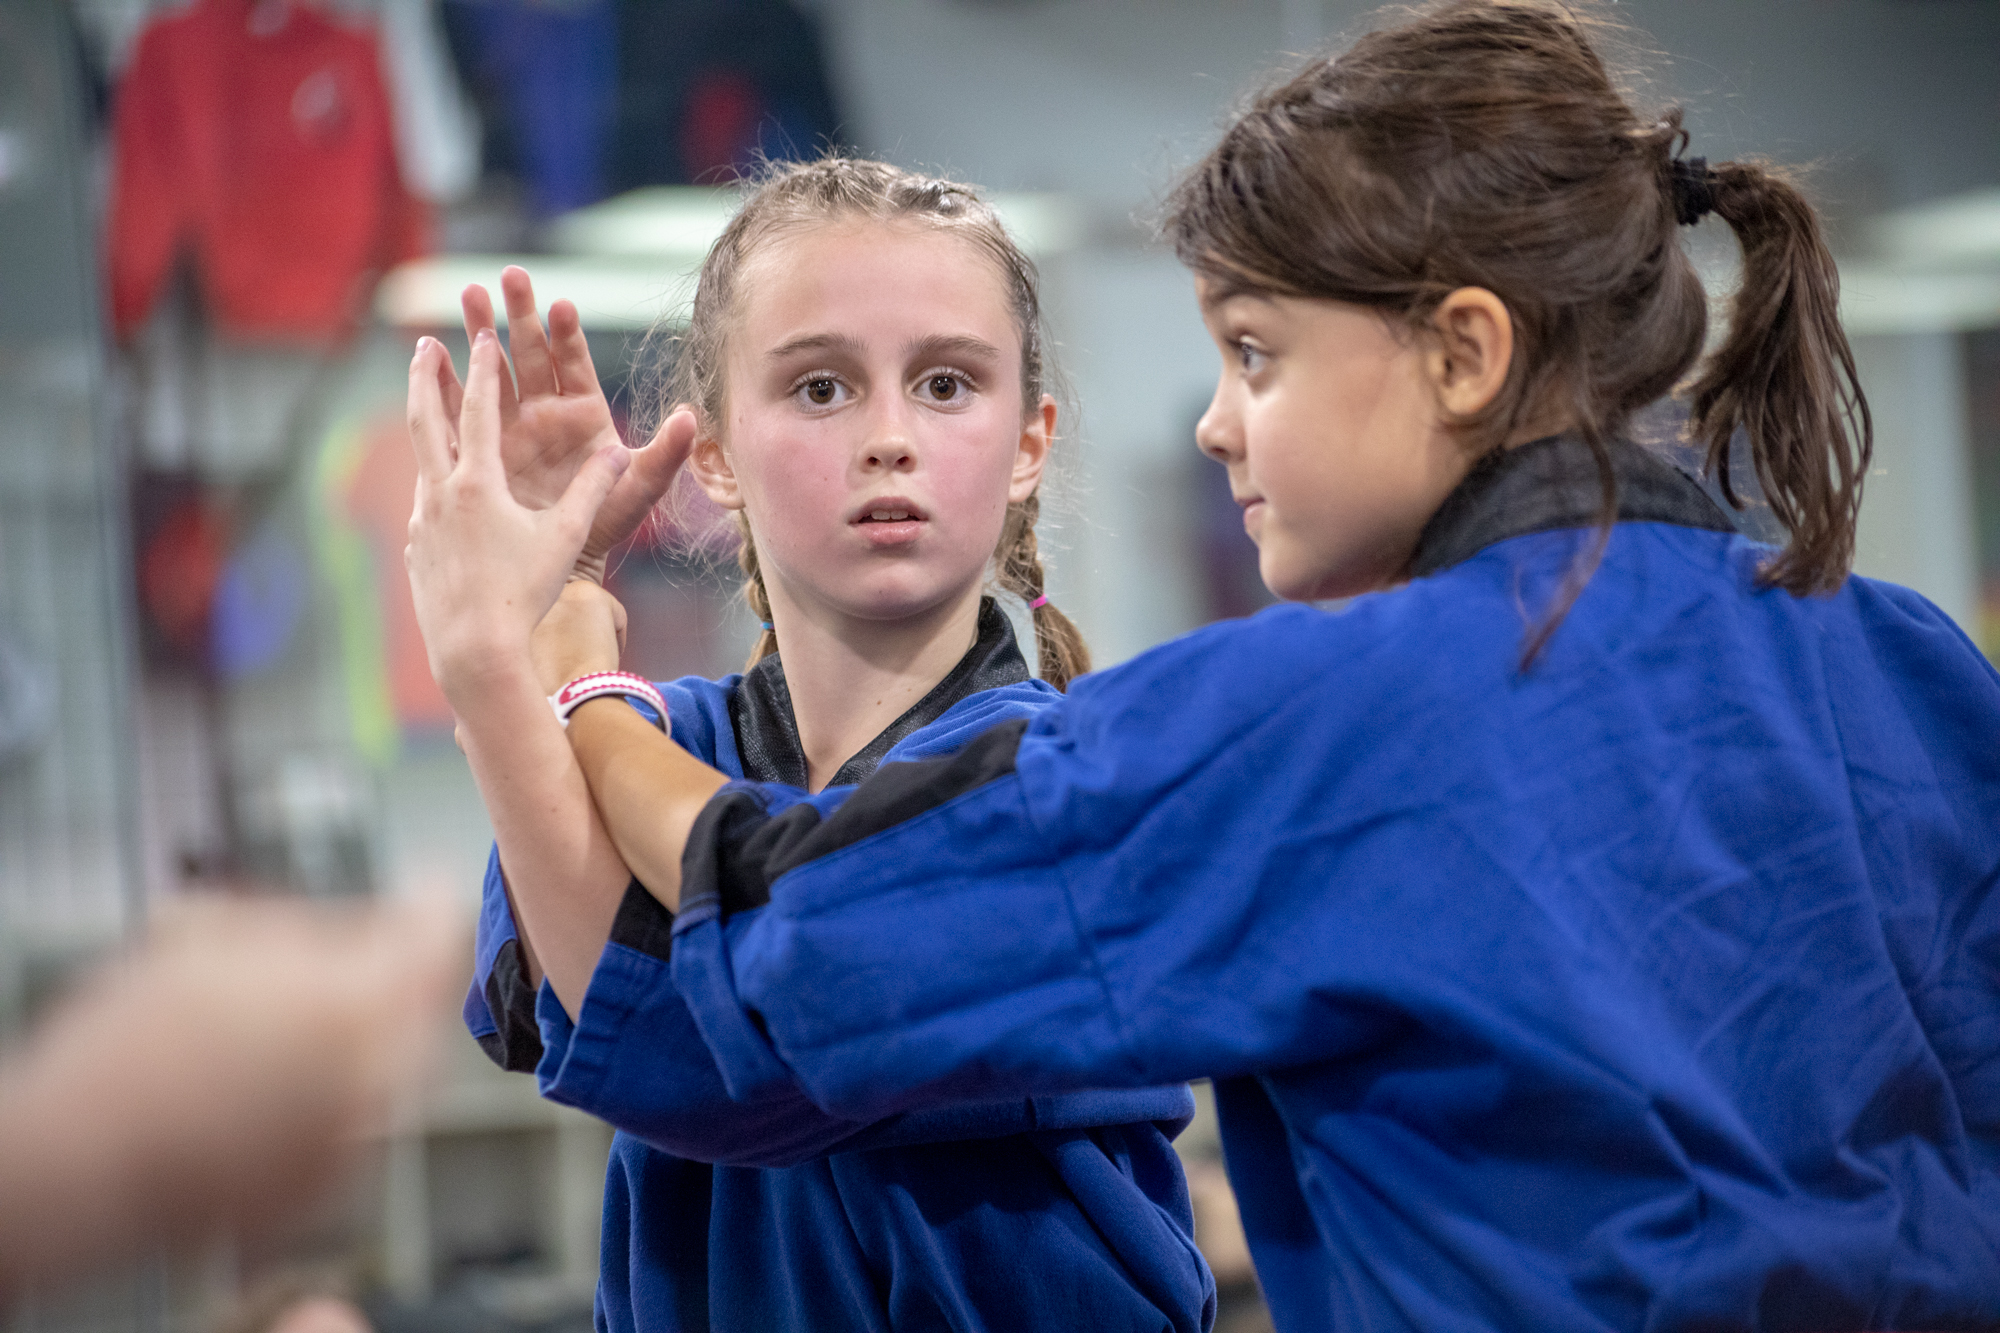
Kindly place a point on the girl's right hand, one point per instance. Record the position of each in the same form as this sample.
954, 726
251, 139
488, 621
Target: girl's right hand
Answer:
553, 416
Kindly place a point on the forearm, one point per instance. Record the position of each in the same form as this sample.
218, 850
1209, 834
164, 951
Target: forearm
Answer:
648, 791
564, 875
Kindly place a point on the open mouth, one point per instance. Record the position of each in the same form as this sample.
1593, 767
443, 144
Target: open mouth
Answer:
891, 510
891, 522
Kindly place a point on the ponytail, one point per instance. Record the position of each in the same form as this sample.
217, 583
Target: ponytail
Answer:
1785, 376
1060, 653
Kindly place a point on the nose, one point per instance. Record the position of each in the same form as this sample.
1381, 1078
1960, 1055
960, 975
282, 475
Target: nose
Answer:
1219, 433
890, 444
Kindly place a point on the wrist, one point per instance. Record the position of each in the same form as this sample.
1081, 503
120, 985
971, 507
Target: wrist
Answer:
495, 687
553, 672
608, 685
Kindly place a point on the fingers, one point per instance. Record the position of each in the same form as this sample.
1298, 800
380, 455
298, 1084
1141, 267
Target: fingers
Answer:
671, 443
534, 371
452, 394
654, 466
430, 432
592, 483
575, 374
479, 419
477, 307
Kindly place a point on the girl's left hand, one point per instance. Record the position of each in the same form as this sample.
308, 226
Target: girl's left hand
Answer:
582, 633
484, 569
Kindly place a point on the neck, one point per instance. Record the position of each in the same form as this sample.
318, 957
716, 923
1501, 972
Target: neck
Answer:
850, 678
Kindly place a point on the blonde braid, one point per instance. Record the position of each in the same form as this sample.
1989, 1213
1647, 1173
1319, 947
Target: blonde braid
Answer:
1060, 652
754, 593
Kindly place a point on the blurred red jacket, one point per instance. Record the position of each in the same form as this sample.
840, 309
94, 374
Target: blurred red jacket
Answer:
255, 135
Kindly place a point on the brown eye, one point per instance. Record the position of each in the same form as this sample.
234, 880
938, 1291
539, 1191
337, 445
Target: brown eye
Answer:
820, 392
943, 388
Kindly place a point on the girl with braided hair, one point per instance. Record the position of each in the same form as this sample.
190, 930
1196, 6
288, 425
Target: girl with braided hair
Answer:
862, 384
1596, 923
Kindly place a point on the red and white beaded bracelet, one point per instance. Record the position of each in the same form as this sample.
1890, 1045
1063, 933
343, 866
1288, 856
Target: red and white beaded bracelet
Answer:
599, 683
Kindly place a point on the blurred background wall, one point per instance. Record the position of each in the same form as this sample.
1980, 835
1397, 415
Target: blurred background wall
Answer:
208, 671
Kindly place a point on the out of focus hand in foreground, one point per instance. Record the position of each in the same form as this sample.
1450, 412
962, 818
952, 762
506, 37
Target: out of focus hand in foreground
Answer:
216, 1080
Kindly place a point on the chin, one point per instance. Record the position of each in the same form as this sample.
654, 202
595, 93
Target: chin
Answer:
1316, 586
1290, 583
897, 603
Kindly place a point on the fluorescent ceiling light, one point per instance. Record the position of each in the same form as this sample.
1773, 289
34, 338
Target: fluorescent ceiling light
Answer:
630, 260
1875, 298
609, 294
1960, 232
678, 223
681, 222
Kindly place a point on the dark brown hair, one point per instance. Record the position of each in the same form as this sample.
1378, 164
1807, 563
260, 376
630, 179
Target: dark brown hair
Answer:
788, 197
1483, 143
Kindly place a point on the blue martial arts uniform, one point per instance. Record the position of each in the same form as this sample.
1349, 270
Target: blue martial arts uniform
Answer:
766, 1213
1655, 986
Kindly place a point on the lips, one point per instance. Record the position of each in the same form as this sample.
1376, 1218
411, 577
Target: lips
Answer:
888, 521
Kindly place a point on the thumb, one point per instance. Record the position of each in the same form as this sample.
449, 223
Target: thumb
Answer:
654, 466
592, 483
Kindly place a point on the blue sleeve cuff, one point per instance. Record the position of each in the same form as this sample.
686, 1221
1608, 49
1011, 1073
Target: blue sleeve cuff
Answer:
496, 927
557, 1032
702, 973
577, 1062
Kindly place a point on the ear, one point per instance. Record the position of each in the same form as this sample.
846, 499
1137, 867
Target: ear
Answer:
1032, 455
1472, 348
710, 467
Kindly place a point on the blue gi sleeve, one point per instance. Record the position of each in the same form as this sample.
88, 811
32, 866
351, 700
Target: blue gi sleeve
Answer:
500, 1005
1292, 839
635, 1058
1111, 894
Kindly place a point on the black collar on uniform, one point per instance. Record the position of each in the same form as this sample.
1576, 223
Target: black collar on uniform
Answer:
1553, 483
767, 734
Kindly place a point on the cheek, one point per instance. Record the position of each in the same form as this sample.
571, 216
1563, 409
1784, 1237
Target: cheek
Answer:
790, 483
972, 469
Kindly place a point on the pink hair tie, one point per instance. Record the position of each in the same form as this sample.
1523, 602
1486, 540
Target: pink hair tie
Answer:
1038, 603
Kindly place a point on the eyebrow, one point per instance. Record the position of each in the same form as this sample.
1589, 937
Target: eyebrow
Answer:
815, 342
1227, 283
951, 346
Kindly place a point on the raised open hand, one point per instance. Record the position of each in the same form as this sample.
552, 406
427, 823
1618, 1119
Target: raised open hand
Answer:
485, 566
553, 416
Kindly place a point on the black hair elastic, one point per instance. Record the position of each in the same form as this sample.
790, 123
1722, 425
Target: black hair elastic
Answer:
1694, 189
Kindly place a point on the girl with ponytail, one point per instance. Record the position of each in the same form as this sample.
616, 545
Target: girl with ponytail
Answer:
862, 385
1596, 922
